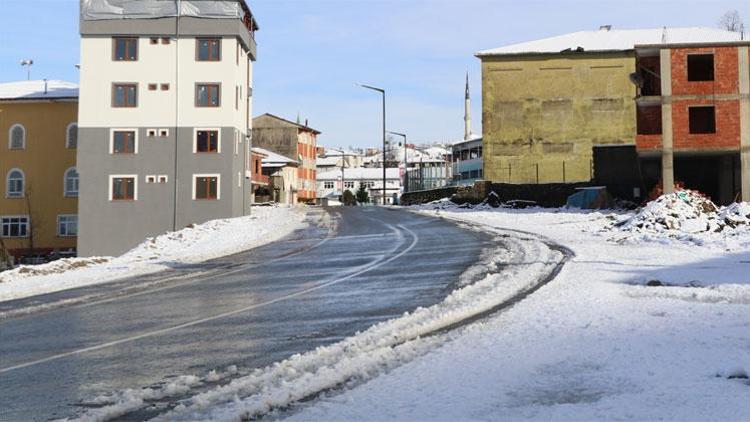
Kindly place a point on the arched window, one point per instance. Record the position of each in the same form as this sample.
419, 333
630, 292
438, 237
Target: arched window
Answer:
17, 137
71, 183
15, 184
71, 139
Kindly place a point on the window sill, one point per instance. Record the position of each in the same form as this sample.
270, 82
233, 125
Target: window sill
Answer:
14, 197
71, 196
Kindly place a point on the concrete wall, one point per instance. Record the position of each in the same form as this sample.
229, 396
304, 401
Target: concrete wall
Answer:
44, 162
549, 109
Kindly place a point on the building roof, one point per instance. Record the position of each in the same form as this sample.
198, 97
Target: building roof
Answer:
287, 122
35, 90
473, 137
326, 161
606, 39
273, 159
361, 173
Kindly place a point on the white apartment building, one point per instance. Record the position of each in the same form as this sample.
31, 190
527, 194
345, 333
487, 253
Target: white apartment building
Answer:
164, 117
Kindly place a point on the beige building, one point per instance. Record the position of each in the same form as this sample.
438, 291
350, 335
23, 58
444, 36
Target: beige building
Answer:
281, 173
38, 139
547, 103
292, 140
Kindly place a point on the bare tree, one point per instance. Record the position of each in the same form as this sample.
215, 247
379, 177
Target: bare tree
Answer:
731, 21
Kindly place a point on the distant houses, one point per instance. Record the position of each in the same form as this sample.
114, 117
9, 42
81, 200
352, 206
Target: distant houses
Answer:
279, 176
292, 140
39, 199
332, 184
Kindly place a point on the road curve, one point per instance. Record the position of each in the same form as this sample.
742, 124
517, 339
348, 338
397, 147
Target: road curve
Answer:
249, 310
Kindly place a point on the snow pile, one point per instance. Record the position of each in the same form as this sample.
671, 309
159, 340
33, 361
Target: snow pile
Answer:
193, 244
55, 267
686, 216
683, 211
735, 215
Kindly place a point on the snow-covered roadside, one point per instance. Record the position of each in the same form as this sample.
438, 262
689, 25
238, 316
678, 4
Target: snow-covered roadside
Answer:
191, 245
595, 343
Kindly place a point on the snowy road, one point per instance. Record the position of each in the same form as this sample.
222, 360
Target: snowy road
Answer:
219, 320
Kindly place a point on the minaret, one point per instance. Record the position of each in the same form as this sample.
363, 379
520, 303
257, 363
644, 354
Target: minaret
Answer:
467, 111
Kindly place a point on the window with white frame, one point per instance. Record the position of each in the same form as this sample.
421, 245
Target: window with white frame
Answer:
67, 225
123, 187
328, 184
123, 141
71, 183
14, 226
14, 186
17, 137
206, 186
71, 136
207, 141
348, 184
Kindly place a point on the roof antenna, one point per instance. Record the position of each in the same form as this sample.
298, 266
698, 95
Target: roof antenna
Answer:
664, 35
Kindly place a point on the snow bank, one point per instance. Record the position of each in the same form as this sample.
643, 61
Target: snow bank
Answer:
190, 245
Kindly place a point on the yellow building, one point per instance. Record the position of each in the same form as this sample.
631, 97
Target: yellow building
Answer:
38, 140
547, 103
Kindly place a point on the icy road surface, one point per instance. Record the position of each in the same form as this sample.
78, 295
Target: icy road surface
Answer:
222, 319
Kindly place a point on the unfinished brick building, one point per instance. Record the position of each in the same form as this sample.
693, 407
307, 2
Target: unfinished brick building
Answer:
693, 117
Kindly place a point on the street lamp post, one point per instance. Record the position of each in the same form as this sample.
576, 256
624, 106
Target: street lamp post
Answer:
406, 160
27, 63
382, 91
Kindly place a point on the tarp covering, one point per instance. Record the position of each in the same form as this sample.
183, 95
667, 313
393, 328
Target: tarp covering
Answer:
590, 198
92, 10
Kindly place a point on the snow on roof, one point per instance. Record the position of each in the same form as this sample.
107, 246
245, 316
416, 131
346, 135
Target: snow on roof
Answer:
337, 152
272, 157
361, 173
326, 161
34, 90
472, 137
616, 40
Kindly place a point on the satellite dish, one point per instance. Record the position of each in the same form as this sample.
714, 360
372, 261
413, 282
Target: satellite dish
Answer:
637, 79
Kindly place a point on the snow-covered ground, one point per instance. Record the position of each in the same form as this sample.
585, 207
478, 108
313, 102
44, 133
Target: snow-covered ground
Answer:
191, 245
649, 321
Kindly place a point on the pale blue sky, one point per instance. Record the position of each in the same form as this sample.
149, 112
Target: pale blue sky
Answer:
312, 52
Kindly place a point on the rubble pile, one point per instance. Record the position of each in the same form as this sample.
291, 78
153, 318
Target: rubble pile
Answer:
686, 212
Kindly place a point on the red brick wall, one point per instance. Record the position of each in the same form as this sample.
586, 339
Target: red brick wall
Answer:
649, 119
726, 72
727, 125
648, 142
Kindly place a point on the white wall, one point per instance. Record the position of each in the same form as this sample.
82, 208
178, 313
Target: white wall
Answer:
156, 64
